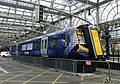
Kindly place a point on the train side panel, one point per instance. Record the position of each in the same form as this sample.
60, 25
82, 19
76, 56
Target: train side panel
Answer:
30, 48
58, 43
74, 43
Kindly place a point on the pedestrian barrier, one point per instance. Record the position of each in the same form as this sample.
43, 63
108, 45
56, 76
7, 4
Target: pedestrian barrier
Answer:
75, 66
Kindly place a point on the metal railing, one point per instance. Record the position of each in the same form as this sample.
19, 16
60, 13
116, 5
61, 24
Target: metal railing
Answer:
75, 66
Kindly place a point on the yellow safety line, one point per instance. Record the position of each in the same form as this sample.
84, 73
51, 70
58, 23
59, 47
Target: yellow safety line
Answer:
14, 77
36, 81
57, 78
35, 77
17, 71
30, 81
3, 70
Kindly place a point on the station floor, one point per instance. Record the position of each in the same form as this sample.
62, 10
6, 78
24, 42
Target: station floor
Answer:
12, 72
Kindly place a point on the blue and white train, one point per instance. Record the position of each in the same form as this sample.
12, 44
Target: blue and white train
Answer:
80, 43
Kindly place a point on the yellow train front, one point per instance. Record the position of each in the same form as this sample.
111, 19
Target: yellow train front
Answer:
88, 46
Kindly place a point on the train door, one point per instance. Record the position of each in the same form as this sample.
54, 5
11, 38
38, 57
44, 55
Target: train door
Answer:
44, 46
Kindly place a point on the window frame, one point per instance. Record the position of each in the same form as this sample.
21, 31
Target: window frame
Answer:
24, 47
29, 46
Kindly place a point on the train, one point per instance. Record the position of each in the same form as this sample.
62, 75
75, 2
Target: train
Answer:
81, 43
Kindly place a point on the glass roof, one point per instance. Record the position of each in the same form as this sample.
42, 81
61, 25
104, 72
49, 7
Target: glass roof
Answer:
96, 0
17, 17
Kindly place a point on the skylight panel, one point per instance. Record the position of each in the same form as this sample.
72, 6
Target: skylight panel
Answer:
96, 1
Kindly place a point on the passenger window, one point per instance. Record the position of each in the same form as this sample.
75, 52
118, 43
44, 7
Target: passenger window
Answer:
42, 43
30, 46
45, 44
24, 47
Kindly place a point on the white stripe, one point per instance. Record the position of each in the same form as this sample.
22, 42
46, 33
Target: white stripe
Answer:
115, 79
2, 62
3, 70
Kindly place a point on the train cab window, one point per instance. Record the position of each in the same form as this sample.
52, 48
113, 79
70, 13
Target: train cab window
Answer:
45, 44
53, 43
81, 38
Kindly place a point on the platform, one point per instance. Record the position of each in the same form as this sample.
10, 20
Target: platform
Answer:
12, 72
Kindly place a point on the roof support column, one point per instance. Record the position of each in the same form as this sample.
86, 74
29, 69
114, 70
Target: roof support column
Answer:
70, 13
97, 13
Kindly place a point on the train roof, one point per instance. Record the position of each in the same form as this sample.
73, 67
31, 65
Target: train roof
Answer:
61, 31
57, 32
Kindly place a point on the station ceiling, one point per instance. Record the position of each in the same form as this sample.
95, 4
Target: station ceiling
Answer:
17, 17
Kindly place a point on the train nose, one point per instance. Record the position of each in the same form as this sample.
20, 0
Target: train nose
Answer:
82, 49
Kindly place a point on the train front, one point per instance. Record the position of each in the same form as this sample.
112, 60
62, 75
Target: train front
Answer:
86, 44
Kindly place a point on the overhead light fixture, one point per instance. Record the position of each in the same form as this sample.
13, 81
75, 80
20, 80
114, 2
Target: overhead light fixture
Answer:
14, 41
44, 32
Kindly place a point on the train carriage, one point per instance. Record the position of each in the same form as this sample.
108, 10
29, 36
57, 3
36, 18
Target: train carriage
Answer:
80, 43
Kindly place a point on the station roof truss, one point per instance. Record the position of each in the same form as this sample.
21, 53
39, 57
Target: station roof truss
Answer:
17, 17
